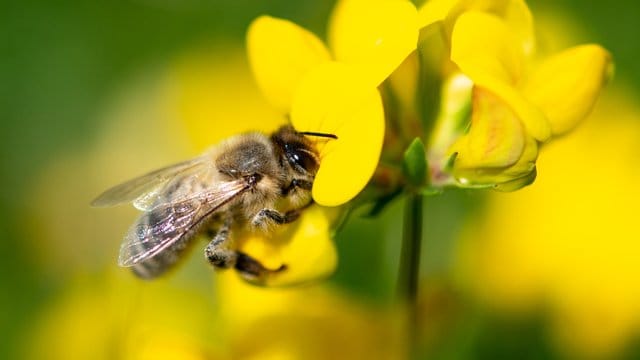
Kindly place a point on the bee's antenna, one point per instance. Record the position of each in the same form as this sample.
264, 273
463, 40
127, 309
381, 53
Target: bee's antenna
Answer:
325, 135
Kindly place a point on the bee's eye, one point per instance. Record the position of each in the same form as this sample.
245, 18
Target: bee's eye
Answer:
304, 160
301, 159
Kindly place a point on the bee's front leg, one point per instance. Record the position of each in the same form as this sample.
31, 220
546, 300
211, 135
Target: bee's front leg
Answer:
270, 215
267, 215
297, 183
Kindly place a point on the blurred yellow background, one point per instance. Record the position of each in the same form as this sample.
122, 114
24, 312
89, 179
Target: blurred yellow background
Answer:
93, 94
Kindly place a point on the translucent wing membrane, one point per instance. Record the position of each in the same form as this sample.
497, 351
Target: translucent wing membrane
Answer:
166, 224
189, 183
146, 188
157, 229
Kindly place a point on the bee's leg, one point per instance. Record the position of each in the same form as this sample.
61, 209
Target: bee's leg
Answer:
217, 253
252, 270
297, 183
223, 258
270, 215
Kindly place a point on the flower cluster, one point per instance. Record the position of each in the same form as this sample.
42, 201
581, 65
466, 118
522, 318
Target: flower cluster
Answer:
334, 90
499, 100
518, 101
453, 93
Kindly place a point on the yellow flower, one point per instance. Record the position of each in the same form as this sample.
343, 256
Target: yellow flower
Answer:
569, 81
312, 322
570, 243
334, 90
97, 318
516, 106
115, 317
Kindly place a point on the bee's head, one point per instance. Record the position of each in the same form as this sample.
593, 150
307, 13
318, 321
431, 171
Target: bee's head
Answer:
296, 150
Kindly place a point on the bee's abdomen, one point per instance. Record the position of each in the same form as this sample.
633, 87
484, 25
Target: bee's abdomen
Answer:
155, 266
160, 263
163, 261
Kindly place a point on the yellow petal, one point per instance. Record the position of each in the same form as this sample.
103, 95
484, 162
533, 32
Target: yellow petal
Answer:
567, 85
518, 17
496, 137
504, 179
517, 184
336, 98
492, 59
497, 149
525, 165
482, 43
433, 11
404, 84
280, 53
305, 247
514, 13
374, 35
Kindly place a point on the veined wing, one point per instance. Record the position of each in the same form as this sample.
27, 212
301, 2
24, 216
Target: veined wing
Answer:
148, 186
158, 229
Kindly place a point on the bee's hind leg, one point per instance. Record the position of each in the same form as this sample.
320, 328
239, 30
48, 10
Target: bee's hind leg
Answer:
252, 270
221, 257
217, 253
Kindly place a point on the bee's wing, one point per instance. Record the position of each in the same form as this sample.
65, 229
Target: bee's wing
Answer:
148, 186
163, 226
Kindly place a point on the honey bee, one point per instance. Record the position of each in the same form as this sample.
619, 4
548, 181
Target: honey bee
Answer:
239, 183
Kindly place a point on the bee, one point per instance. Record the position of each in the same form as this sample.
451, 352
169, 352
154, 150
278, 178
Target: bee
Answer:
244, 182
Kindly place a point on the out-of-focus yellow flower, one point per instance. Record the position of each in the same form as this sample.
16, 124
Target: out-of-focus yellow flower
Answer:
116, 317
97, 319
548, 100
315, 322
334, 91
571, 242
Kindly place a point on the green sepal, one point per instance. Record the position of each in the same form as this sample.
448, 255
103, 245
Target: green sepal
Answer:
415, 166
448, 166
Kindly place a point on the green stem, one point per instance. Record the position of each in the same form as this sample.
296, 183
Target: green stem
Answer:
410, 266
